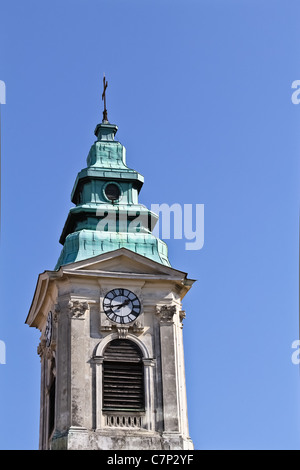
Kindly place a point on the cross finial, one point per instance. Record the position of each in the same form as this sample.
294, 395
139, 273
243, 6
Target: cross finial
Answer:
104, 98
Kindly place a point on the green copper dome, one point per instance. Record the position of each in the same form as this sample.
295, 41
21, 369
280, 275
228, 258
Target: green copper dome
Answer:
107, 215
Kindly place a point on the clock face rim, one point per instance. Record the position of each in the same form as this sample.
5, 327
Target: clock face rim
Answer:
128, 313
48, 329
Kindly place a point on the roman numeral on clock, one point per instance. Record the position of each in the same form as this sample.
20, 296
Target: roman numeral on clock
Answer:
112, 316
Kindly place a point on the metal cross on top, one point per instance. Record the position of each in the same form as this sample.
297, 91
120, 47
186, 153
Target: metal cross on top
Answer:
104, 98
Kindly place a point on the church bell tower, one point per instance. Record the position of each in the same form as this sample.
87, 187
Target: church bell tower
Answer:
110, 317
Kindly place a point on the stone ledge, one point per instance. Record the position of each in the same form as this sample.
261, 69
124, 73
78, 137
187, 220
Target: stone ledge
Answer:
83, 439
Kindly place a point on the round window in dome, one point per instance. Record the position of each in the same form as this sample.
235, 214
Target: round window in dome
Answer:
112, 192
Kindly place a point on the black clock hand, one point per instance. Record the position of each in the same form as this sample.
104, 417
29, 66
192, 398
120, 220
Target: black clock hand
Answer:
126, 302
117, 306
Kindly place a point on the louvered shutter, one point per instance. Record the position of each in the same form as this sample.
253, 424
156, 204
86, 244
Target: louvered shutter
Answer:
123, 377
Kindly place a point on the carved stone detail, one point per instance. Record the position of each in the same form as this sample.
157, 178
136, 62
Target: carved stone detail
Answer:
106, 327
50, 351
41, 348
181, 317
123, 421
138, 327
78, 308
56, 312
166, 313
44, 351
122, 331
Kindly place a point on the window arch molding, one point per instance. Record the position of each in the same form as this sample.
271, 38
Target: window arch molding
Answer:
99, 351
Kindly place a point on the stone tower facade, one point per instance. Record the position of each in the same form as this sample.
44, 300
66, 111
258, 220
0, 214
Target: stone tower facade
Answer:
110, 316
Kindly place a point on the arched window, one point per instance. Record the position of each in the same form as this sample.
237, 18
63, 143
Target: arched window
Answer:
123, 377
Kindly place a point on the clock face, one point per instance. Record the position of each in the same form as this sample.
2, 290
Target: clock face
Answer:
48, 329
121, 306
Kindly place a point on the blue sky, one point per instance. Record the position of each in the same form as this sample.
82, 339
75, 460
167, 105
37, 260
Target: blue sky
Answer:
201, 93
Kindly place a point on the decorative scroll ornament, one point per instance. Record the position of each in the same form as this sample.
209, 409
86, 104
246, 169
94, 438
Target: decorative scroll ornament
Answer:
166, 313
77, 308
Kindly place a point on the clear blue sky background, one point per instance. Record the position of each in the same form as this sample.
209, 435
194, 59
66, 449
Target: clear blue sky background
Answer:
201, 92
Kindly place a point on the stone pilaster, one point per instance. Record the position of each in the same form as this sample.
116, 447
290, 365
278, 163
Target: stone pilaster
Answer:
165, 316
